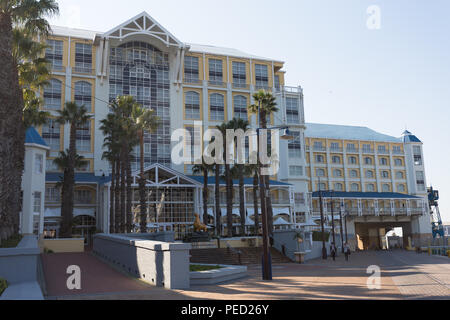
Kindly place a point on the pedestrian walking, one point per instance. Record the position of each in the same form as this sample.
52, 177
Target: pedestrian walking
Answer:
347, 251
333, 251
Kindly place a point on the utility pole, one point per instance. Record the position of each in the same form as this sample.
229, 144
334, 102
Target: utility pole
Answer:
342, 231
324, 248
332, 222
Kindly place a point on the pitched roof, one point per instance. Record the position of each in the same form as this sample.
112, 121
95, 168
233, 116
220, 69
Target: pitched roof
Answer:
332, 131
33, 137
409, 137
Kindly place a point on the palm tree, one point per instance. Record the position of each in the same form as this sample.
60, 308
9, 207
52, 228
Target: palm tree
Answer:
237, 124
217, 199
265, 105
30, 15
204, 169
145, 121
228, 181
252, 170
76, 117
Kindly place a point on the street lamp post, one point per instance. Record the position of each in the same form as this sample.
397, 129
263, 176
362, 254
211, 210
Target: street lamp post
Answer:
342, 231
332, 222
324, 249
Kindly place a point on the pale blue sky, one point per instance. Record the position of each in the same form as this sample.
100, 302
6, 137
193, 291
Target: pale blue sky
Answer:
387, 79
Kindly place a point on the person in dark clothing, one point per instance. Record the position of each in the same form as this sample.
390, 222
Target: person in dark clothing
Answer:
333, 251
347, 251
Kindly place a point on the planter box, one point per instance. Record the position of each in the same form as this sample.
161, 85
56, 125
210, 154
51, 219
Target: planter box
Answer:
300, 257
75, 245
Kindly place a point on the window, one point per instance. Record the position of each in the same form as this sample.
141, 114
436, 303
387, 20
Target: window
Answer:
382, 149
336, 159
294, 146
51, 132
51, 166
337, 173
38, 164
371, 187
383, 162
83, 58
320, 172
83, 94
277, 83
240, 107
420, 178
353, 174
338, 187
37, 202
320, 158
368, 161
52, 95
292, 113
335, 146
399, 175
54, 54
367, 148
83, 197
351, 147
217, 107
52, 194
354, 187
398, 162
239, 75
261, 76
352, 160
215, 72
191, 69
386, 188
417, 152
385, 174
369, 174
83, 142
195, 144
396, 149
299, 198
296, 171
192, 105
401, 188
322, 186
318, 146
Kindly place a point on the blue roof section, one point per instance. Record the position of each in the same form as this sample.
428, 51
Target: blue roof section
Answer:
247, 181
409, 137
33, 137
366, 195
332, 131
80, 178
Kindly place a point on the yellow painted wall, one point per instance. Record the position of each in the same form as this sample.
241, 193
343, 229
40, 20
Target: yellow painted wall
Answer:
64, 245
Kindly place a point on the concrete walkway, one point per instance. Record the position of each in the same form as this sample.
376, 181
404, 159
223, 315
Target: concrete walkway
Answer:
404, 275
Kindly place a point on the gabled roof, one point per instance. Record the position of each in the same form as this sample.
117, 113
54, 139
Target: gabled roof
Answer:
332, 131
33, 137
144, 24
409, 137
365, 195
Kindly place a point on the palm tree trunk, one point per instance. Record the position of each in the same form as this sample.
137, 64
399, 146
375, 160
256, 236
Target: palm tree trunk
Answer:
269, 206
68, 187
142, 183
242, 199
229, 195
123, 190
118, 219
205, 195
12, 134
255, 203
217, 201
111, 196
130, 221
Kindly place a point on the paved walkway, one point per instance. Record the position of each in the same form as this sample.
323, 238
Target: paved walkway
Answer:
404, 275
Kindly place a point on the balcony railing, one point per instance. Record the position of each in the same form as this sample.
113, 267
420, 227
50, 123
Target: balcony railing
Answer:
320, 149
339, 150
241, 86
398, 152
195, 82
214, 83
352, 150
385, 152
83, 70
365, 150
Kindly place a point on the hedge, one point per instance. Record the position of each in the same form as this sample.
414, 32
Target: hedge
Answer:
317, 236
3, 285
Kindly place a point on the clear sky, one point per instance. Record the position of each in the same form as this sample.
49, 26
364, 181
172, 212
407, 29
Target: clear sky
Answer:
388, 79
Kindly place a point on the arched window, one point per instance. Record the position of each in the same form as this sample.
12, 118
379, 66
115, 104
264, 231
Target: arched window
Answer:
355, 187
320, 159
383, 161
52, 95
371, 187
368, 161
400, 175
337, 173
352, 160
192, 105
320, 172
217, 107
322, 186
83, 94
385, 174
369, 174
338, 187
398, 162
336, 159
240, 107
401, 188
386, 187
51, 133
353, 174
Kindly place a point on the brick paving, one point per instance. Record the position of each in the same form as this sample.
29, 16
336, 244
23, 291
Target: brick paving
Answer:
404, 275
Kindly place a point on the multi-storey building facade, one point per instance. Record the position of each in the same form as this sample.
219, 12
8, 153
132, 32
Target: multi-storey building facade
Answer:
189, 86
375, 180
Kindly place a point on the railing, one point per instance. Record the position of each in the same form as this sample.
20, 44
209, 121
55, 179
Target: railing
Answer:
398, 152
214, 83
292, 89
83, 70
196, 82
352, 150
319, 149
57, 68
385, 152
340, 150
241, 86
371, 151
400, 211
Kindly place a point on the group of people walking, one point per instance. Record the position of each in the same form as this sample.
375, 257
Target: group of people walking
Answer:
333, 251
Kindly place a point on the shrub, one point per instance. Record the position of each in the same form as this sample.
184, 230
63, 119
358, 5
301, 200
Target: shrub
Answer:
3, 285
317, 236
12, 242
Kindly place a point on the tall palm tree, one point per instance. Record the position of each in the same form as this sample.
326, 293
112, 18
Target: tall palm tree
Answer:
30, 15
265, 105
217, 199
237, 124
228, 181
204, 169
76, 117
252, 170
145, 121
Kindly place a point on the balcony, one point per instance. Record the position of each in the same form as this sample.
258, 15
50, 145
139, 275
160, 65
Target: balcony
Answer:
193, 82
241, 86
352, 150
336, 150
398, 152
57, 68
83, 70
319, 149
385, 152
219, 84
366, 150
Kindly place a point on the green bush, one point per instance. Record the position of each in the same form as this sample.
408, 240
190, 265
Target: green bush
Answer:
3, 285
317, 236
12, 242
